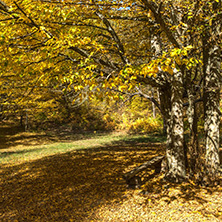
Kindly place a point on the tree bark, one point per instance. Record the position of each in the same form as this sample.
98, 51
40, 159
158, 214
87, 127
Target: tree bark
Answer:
153, 105
212, 111
171, 96
192, 120
176, 170
153, 163
165, 105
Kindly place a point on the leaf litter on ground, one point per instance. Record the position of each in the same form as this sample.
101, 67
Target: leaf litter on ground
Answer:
87, 184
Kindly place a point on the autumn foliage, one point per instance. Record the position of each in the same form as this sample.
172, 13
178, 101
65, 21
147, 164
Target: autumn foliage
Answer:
59, 55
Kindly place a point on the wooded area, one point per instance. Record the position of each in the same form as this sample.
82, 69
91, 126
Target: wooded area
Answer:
57, 56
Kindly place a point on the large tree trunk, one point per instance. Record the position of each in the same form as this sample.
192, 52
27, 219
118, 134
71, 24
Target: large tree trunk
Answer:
194, 151
165, 106
212, 111
171, 97
175, 148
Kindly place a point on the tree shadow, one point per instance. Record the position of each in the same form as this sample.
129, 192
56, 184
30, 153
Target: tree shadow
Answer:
150, 138
5, 132
13, 135
68, 186
74, 185
10, 153
158, 190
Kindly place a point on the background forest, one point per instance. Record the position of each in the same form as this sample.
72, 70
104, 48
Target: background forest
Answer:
135, 114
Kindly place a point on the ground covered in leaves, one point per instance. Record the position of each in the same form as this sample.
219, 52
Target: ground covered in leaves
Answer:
87, 185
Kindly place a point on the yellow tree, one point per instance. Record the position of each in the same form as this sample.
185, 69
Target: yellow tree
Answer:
101, 47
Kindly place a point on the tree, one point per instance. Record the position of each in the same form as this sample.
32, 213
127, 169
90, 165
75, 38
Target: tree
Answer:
212, 86
101, 47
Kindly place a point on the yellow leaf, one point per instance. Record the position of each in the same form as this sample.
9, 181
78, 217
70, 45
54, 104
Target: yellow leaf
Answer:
169, 70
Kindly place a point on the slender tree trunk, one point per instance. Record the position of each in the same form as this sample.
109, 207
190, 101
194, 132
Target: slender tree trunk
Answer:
1, 112
21, 120
212, 111
160, 95
175, 148
153, 105
26, 121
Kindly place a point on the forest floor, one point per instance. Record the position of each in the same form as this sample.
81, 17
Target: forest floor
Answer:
61, 176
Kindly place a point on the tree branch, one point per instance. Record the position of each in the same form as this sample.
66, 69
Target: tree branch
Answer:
151, 98
97, 60
4, 7
158, 17
115, 37
32, 21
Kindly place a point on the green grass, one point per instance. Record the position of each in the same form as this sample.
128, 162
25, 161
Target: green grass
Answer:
20, 154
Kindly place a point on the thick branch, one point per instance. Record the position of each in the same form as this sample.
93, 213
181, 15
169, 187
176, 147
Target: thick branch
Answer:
115, 37
158, 17
149, 98
97, 60
155, 163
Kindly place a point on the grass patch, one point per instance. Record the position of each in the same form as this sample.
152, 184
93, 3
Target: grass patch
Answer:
20, 154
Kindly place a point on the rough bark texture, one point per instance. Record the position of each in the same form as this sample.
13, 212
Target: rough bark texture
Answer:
175, 147
194, 151
171, 97
165, 105
212, 111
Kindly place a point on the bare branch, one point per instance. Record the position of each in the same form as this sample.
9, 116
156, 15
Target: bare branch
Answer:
115, 37
76, 24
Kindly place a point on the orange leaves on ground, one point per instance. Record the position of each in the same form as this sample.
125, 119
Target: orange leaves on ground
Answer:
87, 185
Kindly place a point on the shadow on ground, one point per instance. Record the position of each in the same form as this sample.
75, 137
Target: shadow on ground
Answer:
13, 135
75, 185
69, 186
